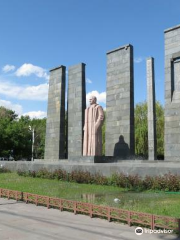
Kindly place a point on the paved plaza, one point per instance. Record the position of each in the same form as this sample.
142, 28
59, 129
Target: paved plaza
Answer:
20, 221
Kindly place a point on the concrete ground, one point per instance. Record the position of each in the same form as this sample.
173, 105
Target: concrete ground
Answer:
20, 221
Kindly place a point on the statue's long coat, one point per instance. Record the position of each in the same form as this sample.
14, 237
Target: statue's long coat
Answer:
92, 145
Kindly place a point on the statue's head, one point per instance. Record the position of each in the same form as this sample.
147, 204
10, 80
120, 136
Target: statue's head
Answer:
92, 100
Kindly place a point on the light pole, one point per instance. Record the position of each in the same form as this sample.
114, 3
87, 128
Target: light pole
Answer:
32, 130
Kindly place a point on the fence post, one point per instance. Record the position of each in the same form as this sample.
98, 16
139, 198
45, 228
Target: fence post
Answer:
47, 202
8, 194
129, 218
60, 205
179, 226
22, 196
16, 196
75, 207
109, 214
90, 210
26, 197
36, 200
152, 222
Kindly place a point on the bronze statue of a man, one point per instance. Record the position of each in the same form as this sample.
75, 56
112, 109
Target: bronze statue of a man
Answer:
94, 117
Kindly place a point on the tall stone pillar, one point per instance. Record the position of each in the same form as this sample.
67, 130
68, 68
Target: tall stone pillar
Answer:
76, 108
151, 104
172, 94
120, 103
55, 125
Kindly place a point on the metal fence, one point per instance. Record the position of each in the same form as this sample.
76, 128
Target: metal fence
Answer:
111, 213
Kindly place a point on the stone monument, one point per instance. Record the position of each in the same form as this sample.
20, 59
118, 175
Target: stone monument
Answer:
76, 107
55, 125
172, 94
151, 105
120, 117
94, 117
120, 103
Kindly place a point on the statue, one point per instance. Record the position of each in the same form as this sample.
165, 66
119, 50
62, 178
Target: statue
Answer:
94, 117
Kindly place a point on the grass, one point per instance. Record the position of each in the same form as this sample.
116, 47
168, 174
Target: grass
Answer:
151, 202
52, 187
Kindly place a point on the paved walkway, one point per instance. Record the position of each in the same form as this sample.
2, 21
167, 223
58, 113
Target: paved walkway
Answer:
20, 221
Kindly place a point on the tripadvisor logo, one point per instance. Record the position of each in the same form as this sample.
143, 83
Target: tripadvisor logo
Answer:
138, 231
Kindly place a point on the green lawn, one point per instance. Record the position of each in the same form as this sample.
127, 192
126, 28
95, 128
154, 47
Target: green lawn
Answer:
53, 188
157, 203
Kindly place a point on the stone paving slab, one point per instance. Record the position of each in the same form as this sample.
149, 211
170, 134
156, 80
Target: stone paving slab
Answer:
20, 221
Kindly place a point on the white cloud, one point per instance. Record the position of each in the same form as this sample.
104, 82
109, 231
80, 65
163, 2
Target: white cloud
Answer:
15, 107
88, 80
39, 92
138, 59
101, 97
28, 69
8, 68
19, 110
36, 114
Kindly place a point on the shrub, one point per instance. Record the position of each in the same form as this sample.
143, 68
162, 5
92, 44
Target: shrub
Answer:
32, 174
80, 177
167, 182
148, 182
22, 173
44, 173
171, 182
100, 179
135, 182
4, 170
119, 180
60, 175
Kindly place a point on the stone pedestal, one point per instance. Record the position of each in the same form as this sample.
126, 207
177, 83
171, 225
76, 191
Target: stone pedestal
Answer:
128, 167
172, 93
55, 125
92, 159
76, 108
151, 104
120, 103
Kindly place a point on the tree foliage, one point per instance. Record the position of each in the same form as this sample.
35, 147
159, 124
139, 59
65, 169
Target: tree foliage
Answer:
40, 130
141, 129
16, 138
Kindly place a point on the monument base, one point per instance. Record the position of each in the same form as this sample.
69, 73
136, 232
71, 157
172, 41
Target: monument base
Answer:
93, 159
87, 159
129, 167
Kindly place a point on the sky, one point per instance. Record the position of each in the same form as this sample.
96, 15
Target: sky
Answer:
38, 35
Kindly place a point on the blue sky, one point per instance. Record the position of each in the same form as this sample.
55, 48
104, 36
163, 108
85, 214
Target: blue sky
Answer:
37, 35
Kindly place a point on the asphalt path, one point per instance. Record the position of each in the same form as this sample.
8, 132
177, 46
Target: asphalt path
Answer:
20, 221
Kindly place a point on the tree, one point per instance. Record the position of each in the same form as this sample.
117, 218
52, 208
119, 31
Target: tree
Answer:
39, 126
15, 135
160, 129
7, 117
7, 114
141, 129
21, 138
